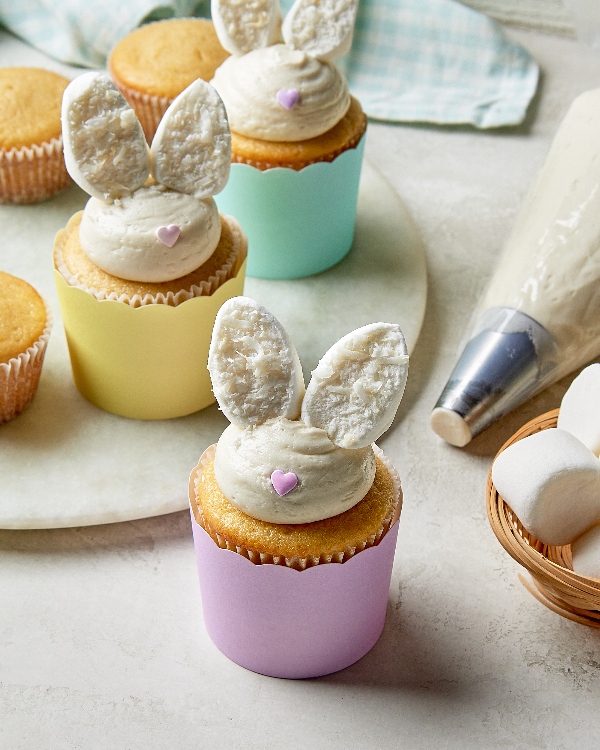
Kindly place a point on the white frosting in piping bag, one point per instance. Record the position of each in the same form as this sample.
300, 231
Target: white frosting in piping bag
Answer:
550, 268
121, 238
249, 86
330, 479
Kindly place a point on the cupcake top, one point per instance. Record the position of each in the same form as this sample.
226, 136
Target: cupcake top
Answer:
165, 57
151, 217
290, 91
29, 106
290, 456
22, 316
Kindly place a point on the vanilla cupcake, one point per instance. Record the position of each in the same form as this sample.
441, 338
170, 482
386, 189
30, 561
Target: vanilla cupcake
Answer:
157, 61
25, 324
32, 166
296, 483
297, 134
142, 271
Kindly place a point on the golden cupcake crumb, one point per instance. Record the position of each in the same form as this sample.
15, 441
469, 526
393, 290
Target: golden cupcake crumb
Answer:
299, 154
30, 101
69, 252
163, 58
356, 528
22, 316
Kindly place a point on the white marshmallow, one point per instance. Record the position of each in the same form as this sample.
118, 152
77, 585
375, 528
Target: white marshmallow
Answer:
254, 367
244, 26
580, 408
357, 386
586, 553
322, 29
552, 482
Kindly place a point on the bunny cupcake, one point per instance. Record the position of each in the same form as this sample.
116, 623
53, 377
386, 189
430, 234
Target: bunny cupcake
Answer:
295, 483
149, 257
297, 134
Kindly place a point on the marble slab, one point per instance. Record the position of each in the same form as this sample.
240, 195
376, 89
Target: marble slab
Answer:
64, 462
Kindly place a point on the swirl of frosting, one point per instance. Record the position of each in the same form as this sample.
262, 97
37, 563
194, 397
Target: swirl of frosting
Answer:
250, 84
330, 480
124, 238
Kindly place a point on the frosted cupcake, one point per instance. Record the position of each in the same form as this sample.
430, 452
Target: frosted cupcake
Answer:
295, 484
142, 271
156, 62
32, 167
25, 324
297, 134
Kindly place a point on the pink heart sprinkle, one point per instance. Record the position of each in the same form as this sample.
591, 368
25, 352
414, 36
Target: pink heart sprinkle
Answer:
287, 97
168, 235
283, 483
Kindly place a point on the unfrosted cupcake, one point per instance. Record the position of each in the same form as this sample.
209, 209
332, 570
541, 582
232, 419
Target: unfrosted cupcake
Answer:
297, 134
295, 481
32, 167
142, 271
25, 324
156, 62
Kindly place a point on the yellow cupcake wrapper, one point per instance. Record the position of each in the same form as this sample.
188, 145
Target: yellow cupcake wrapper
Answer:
298, 563
20, 376
204, 289
32, 173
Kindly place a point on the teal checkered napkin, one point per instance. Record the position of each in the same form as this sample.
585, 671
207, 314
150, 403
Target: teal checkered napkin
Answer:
411, 60
438, 61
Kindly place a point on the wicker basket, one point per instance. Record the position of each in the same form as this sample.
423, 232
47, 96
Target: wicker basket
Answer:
556, 585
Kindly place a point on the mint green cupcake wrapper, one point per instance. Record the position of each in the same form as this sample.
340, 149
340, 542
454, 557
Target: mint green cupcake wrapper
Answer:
298, 223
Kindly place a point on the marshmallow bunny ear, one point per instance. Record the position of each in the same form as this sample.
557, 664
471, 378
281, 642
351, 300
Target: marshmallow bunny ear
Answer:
244, 26
105, 149
358, 385
322, 29
254, 367
191, 151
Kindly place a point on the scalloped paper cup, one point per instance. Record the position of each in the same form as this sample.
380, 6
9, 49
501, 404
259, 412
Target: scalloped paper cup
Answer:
31, 174
298, 223
149, 108
20, 376
287, 623
146, 362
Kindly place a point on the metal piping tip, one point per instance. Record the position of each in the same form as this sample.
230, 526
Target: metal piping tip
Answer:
509, 358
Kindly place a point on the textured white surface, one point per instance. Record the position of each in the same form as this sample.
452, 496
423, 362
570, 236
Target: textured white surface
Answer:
101, 639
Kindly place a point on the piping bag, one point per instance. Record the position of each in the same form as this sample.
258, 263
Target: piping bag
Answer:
539, 318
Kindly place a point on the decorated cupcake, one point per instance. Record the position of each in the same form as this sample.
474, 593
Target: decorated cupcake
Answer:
143, 270
25, 324
297, 134
156, 62
32, 167
294, 486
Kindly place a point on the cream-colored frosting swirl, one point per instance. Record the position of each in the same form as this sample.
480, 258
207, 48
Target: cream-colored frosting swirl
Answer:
249, 85
121, 237
330, 479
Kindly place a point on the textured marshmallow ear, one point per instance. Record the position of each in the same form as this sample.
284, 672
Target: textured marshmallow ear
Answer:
105, 149
244, 26
254, 367
580, 408
191, 151
358, 385
322, 28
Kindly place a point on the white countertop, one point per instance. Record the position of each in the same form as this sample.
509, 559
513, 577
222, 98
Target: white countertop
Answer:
101, 637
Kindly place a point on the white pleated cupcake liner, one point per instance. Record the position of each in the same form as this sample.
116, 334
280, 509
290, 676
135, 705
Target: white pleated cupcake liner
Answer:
30, 174
20, 376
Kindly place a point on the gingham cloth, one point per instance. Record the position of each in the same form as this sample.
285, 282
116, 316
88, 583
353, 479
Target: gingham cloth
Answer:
411, 60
